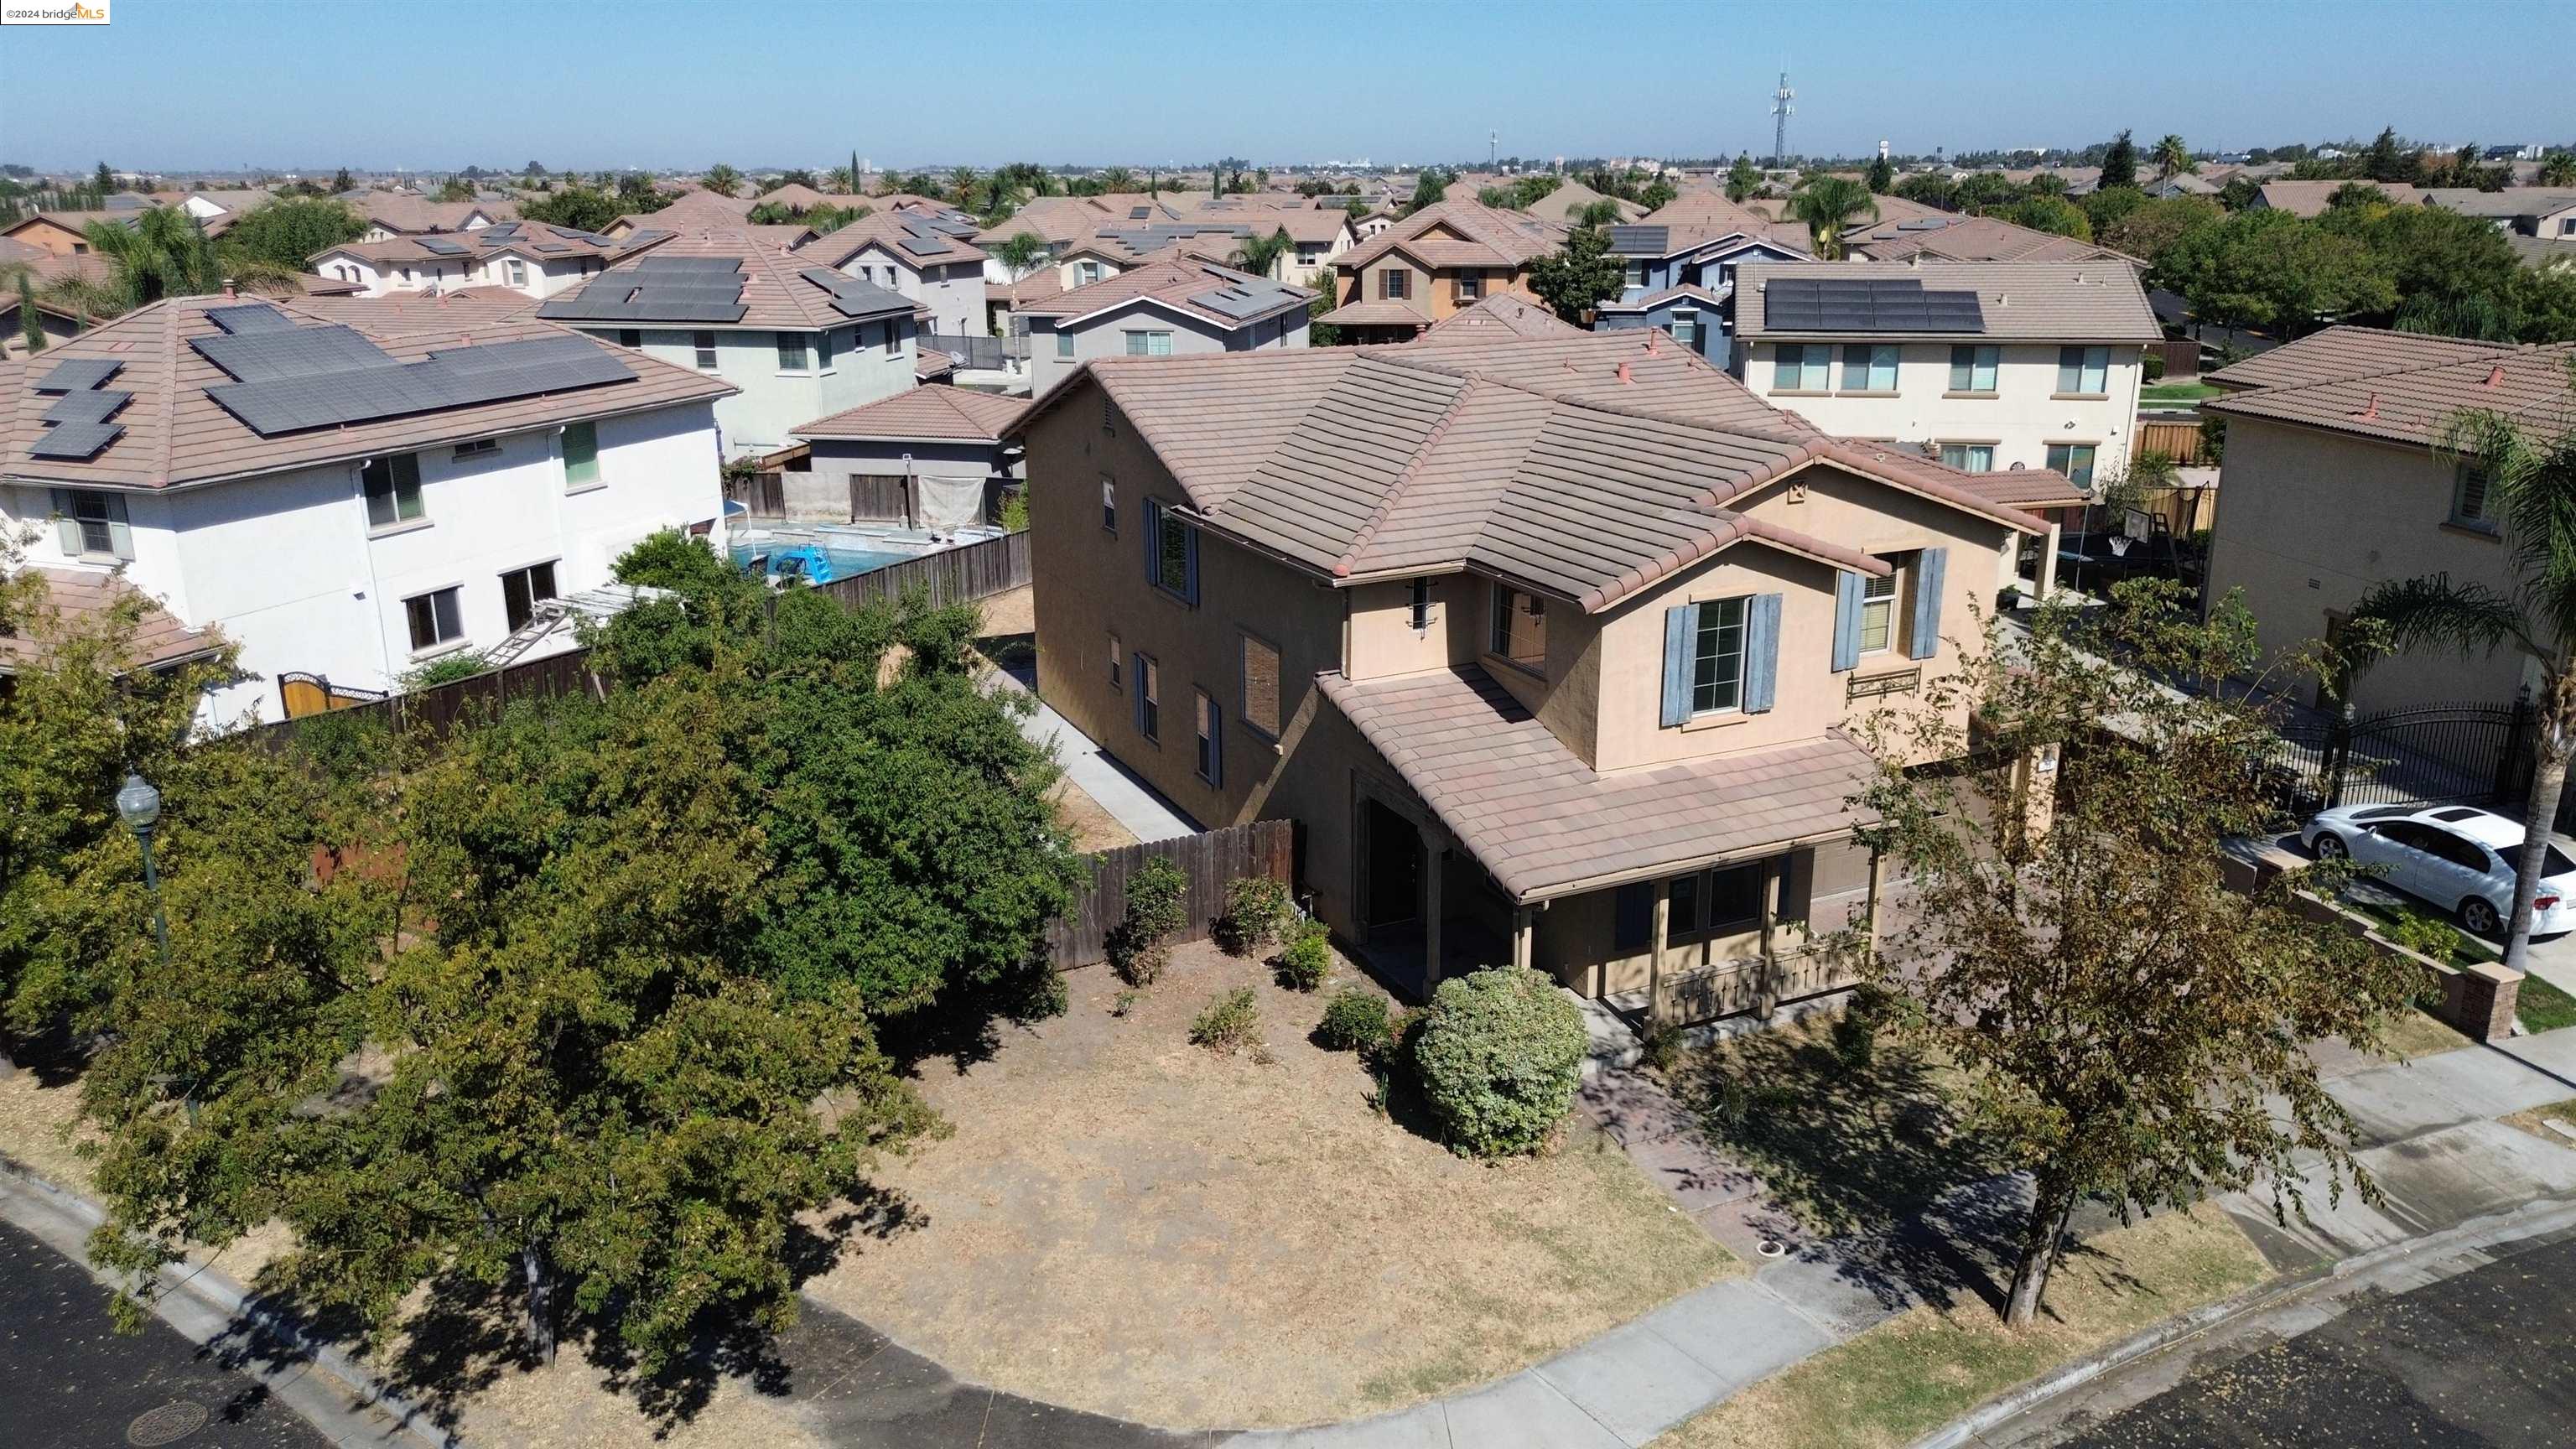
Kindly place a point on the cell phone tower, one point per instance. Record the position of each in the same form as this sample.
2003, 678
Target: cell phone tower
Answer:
1781, 110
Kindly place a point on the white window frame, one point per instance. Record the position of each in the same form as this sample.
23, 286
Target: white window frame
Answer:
451, 616
1984, 360
708, 358
395, 464
1714, 618
1872, 354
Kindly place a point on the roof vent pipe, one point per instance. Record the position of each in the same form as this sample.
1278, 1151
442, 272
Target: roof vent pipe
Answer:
1624, 375
2495, 375
2370, 409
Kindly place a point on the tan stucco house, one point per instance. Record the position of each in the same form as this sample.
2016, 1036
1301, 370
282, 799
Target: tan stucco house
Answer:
2335, 482
1548, 642
1434, 262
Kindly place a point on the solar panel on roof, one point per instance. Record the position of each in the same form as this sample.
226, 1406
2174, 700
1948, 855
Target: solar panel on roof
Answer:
250, 317
1640, 241
1139, 213
292, 352
1240, 302
443, 247
552, 247
79, 374
90, 406
1867, 304
1923, 223
74, 441
921, 248
455, 377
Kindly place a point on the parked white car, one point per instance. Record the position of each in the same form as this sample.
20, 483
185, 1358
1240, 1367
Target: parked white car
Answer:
2457, 857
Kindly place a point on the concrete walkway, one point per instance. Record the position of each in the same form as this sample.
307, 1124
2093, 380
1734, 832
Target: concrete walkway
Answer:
2428, 1137
1129, 800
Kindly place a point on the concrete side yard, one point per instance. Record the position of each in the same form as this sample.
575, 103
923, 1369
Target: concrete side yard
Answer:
1136, 1226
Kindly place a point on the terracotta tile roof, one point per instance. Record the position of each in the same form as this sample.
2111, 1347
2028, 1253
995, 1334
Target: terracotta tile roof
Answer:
535, 240
1042, 282
784, 235
1698, 217
2413, 404
1584, 466
929, 364
775, 295
176, 433
2027, 301
1377, 312
78, 595
1944, 237
1491, 237
800, 197
1686, 292
1177, 283
1499, 314
2511, 204
924, 412
1542, 823
693, 209
902, 235
2026, 488
2309, 198
2341, 352
416, 214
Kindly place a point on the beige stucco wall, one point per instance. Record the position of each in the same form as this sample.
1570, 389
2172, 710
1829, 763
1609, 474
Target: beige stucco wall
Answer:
2309, 520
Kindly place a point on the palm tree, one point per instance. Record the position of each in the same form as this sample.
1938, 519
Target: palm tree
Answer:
1117, 179
2531, 484
1018, 252
840, 179
2558, 168
1828, 206
2173, 158
1261, 255
721, 179
1604, 212
164, 252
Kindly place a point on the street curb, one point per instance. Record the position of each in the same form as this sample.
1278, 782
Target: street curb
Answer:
218, 1292
2553, 1214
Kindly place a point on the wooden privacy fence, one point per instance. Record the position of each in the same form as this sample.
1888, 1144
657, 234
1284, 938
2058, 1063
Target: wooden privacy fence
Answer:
1080, 937
2179, 440
975, 571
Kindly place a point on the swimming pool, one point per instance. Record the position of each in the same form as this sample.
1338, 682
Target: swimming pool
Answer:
845, 561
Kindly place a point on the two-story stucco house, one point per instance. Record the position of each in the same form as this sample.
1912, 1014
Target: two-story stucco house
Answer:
1680, 278
533, 259
1991, 365
1434, 262
1169, 307
795, 339
2335, 481
918, 255
1548, 643
347, 497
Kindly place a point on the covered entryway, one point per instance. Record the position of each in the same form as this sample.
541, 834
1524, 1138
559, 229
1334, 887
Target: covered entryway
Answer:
1391, 881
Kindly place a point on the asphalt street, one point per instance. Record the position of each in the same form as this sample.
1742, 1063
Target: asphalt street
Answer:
71, 1382
2487, 1358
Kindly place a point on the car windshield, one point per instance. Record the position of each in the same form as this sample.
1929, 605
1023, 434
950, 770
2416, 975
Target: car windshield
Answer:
2557, 863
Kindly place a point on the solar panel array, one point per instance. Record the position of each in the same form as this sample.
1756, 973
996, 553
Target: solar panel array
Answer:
250, 317
315, 377
74, 441
1640, 241
658, 289
926, 246
80, 374
94, 406
444, 247
854, 298
1871, 304
1246, 300
1923, 223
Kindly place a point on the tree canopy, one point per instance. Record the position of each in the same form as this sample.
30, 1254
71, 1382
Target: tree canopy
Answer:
1583, 273
2120, 162
287, 232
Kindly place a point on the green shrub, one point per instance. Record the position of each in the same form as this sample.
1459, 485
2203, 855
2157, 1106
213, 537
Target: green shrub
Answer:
2155, 364
1309, 957
445, 670
1499, 1057
1660, 1048
1015, 513
2424, 935
1230, 1021
1355, 1020
1255, 905
1139, 944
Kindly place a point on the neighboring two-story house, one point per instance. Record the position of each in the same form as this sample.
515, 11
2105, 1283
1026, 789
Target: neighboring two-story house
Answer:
1547, 643
917, 255
1991, 366
1680, 278
347, 497
533, 259
1170, 307
391, 214
2335, 481
1434, 262
795, 339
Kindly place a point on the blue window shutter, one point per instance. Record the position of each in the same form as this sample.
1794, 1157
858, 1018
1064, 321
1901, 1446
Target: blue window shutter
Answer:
1761, 651
1846, 621
1136, 672
1153, 531
1679, 627
1928, 568
1190, 559
66, 528
1632, 925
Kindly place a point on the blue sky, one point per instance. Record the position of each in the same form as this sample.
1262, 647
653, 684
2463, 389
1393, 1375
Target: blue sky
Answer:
202, 84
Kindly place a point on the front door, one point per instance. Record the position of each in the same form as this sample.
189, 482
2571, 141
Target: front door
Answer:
1394, 880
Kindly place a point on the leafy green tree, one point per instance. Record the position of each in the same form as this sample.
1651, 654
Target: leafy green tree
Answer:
2239, 193
1931, 190
2120, 162
286, 233
2173, 158
2053, 214
1018, 252
1604, 212
2558, 168
1656, 194
165, 253
2388, 161
2031, 954
796, 177
31, 323
342, 181
636, 193
1882, 176
1429, 188
533, 170
1743, 178
1989, 191
2152, 227
1261, 255
456, 189
103, 180
2433, 256
579, 207
2530, 469
2269, 269
2105, 208
1117, 179
1831, 205
721, 179
1570, 281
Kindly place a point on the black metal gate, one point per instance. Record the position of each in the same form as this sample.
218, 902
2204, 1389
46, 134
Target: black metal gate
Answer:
2443, 753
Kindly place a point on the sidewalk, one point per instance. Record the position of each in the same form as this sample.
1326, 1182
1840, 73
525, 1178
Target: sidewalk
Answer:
1129, 800
2427, 1135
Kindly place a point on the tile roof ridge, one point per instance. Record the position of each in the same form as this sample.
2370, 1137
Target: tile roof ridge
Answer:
170, 345
1367, 531
2499, 352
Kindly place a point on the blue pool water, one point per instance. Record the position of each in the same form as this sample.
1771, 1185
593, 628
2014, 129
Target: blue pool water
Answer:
845, 562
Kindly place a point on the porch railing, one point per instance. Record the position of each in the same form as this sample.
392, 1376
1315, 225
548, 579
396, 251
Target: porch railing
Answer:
1899, 681
1752, 983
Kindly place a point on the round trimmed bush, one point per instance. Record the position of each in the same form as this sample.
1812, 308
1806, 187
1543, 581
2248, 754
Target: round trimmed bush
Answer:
1499, 1058
1355, 1020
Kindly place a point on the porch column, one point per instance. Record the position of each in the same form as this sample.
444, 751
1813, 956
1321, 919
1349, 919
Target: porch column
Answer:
1655, 956
1523, 928
2048, 560
1768, 999
1432, 856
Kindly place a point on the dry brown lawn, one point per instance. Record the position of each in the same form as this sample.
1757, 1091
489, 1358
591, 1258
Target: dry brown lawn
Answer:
1130, 1224
1092, 828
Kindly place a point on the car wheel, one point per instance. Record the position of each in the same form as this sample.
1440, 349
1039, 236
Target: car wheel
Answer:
2480, 918
2330, 846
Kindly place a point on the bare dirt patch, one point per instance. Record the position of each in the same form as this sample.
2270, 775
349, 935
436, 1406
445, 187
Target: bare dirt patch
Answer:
1133, 1225
1092, 828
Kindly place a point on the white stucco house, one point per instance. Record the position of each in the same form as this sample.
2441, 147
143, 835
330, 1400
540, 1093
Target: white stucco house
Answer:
793, 339
534, 259
920, 255
1988, 366
346, 499
1173, 306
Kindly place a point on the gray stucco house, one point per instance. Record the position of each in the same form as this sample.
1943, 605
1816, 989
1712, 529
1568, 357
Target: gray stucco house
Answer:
1170, 307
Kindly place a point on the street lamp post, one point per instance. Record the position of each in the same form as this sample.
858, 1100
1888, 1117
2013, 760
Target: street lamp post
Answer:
139, 805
